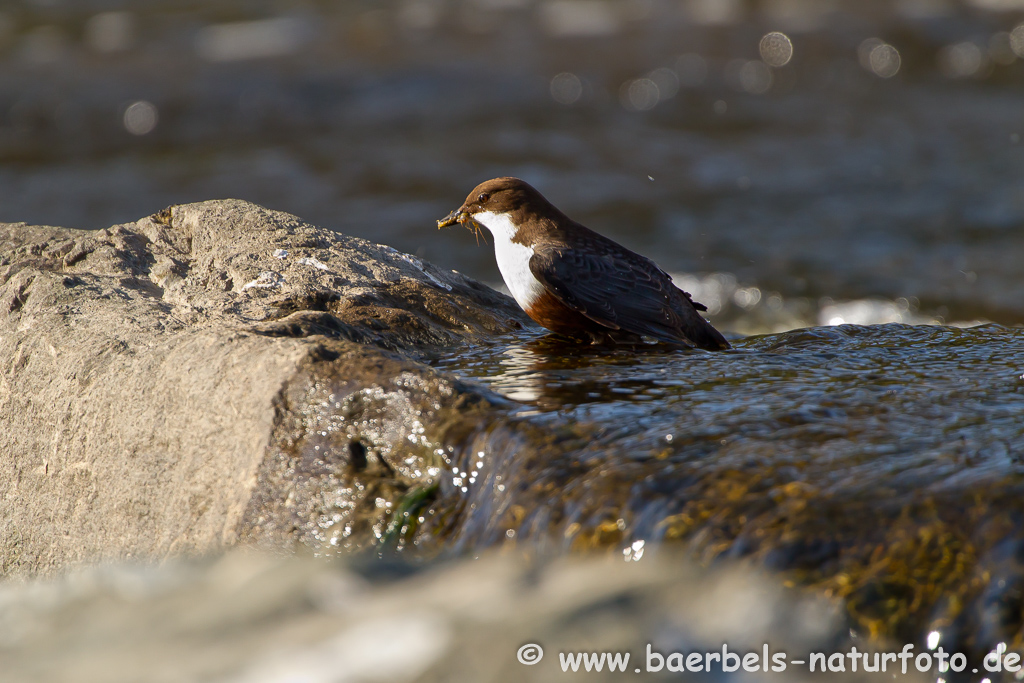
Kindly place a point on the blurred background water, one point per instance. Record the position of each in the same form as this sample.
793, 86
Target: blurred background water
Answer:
795, 161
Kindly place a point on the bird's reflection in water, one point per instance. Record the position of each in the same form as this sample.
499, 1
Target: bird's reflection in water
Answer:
552, 372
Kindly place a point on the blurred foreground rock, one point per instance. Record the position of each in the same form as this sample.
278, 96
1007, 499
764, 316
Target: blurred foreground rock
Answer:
248, 618
144, 368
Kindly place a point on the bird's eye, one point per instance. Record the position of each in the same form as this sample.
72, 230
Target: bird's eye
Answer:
483, 197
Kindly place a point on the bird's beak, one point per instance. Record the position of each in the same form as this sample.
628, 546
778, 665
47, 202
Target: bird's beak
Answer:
459, 215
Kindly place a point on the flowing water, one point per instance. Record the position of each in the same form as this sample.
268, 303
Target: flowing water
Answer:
880, 463
871, 411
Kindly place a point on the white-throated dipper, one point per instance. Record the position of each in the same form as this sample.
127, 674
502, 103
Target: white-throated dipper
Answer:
574, 281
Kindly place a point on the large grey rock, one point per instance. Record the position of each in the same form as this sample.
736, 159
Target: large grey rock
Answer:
144, 369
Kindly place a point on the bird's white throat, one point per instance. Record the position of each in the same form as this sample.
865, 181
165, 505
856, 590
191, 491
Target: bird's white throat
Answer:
513, 258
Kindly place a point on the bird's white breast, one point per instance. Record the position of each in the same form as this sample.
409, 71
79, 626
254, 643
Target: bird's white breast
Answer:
513, 258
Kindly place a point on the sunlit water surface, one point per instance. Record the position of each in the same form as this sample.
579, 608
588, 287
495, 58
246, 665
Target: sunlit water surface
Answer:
902, 403
883, 463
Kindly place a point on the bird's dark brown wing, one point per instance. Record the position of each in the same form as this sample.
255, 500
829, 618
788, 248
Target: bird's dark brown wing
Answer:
622, 290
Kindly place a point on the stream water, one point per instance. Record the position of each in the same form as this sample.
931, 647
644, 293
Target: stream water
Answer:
880, 463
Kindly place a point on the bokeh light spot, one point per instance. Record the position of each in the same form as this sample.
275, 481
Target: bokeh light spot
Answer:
640, 94
885, 61
1017, 40
879, 58
667, 82
776, 49
962, 60
747, 297
566, 88
140, 118
864, 51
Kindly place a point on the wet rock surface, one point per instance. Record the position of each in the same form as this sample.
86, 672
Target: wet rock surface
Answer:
880, 464
144, 365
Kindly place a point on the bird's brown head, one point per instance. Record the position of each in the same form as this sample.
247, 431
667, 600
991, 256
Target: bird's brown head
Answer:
500, 195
